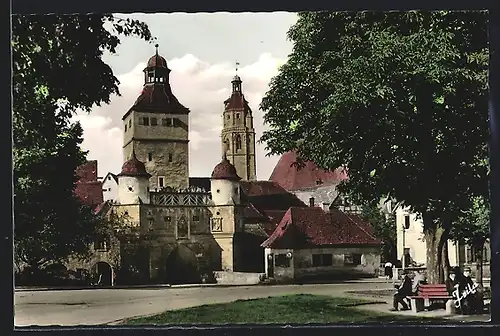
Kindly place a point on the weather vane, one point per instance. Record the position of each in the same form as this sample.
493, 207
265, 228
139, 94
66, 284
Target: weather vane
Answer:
237, 64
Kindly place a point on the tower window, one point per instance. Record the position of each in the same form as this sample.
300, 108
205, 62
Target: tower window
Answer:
237, 140
150, 156
161, 181
130, 123
145, 121
154, 121
407, 222
170, 157
228, 117
164, 121
125, 127
237, 116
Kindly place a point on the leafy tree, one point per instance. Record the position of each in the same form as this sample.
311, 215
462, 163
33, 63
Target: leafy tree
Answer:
384, 226
399, 99
57, 69
473, 228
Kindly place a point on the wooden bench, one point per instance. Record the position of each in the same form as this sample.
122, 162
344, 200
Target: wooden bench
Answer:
428, 293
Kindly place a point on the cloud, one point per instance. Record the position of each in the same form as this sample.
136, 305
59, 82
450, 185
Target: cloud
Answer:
200, 86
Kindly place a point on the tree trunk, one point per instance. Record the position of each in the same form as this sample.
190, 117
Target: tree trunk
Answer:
435, 237
446, 260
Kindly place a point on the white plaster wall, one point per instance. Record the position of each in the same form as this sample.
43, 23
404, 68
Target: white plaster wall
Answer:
109, 189
370, 261
414, 239
280, 273
225, 192
301, 262
139, 187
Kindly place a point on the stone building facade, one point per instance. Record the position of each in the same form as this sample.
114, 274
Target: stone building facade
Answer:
177, 229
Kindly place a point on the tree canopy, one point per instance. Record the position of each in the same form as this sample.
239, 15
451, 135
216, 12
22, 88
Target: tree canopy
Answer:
57, 69
384, 228
398, 98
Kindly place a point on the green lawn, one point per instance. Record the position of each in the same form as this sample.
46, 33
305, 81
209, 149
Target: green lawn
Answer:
301, 309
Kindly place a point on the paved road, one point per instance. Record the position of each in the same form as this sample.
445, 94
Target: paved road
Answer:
102, 306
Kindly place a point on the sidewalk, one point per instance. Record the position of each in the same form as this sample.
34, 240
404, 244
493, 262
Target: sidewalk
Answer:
159, 286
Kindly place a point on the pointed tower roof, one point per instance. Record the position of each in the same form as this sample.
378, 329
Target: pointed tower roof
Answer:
134, 167
156, 95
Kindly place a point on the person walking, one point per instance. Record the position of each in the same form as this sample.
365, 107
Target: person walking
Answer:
404, 289
388, 270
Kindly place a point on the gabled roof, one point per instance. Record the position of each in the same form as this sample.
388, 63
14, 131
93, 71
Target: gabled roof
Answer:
268, 195
311, 226
310, 176
113, 176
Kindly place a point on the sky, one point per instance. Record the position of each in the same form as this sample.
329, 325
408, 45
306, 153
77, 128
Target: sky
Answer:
202, 51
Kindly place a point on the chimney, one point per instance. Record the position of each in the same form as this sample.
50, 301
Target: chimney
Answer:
311, 202
326, 207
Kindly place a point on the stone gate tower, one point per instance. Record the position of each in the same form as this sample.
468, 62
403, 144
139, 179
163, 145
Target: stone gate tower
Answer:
238, 134
156, 128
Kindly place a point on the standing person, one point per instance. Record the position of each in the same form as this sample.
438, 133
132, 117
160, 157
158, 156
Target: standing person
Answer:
388, 270
403, 290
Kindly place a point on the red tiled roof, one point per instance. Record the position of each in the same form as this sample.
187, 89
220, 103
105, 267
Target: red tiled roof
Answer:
157, 61
88, 189
286, 174
134, 167
268, 195
87, 172
101, 207
224, 170
306, 227
237, 100
251, 212
361, 222
157, 98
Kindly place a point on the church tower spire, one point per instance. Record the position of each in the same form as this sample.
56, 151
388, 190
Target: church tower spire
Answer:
156, 129
238, 133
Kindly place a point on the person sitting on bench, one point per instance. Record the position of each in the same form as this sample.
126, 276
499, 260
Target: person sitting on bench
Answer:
475, 301
404, 289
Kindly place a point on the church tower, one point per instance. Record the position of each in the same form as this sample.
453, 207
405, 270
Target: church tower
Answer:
156, 129
238, 134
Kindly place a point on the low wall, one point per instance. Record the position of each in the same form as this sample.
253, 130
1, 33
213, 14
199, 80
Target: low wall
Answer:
238, 278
